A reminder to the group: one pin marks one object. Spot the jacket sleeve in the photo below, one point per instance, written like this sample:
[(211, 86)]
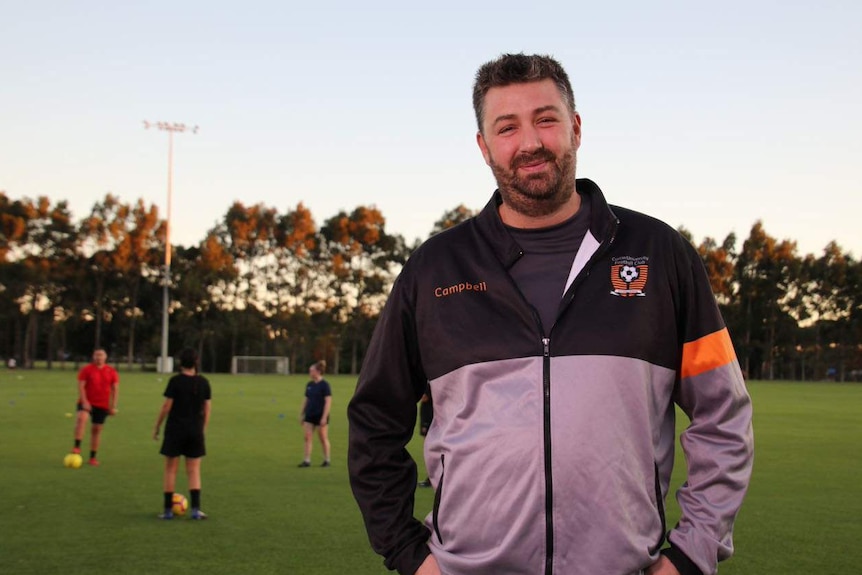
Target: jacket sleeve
[(718, 443), (382, 417)]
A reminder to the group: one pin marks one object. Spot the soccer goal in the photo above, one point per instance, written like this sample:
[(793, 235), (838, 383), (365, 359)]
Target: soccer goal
[(259, 364)]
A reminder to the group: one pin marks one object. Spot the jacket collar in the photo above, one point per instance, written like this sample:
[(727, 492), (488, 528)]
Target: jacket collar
[(602, 222)]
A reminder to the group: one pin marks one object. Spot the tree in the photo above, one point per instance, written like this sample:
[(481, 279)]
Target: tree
[(766, 273), (37, 244), (364, 261), (832, 297), (201, 274), (121, 244), (14, 217), (452, 218)]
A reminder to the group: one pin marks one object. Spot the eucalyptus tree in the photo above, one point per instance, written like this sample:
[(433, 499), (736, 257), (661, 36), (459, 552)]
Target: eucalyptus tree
[(201, 273), (37, 249), (364, 261), (767, 273), (833, 298), (122, 245)]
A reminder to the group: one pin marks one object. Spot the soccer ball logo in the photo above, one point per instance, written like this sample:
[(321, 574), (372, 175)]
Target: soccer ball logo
[(629, 279), (629, 273)]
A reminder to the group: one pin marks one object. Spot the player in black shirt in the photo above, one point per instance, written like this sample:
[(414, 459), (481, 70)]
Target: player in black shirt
[(315, 412), (187, 407)]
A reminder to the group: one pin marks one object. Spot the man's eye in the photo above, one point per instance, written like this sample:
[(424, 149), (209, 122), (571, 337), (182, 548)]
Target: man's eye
[(505, 129)]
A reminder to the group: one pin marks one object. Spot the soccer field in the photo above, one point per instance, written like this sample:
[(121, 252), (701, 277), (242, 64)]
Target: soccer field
[(803, 513)]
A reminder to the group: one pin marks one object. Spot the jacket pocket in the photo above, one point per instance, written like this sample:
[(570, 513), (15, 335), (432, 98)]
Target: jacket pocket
[(659, 503), (435, 516)]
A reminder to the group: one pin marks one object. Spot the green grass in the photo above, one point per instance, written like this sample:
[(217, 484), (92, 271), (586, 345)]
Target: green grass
[(803, 513)]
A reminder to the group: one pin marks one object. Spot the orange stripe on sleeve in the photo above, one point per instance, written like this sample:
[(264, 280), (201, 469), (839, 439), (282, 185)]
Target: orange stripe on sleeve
[(706, 353)]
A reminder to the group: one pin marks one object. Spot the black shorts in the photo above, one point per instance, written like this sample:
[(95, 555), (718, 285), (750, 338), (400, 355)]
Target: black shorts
[(98, 415), (183, 441), (314, 419)]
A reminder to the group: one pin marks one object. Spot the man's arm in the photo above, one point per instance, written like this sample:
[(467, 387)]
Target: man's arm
[(382, 417), (430, 567), (115, 397), (718, 442)]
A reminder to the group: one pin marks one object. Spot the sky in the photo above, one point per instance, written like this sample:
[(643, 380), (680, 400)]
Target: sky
[(710, 116)]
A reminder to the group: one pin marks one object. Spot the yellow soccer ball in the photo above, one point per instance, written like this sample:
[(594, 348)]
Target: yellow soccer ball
[(181, 504), (73, 461)]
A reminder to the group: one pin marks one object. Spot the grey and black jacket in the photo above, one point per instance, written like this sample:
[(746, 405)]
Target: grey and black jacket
[(552, 453)]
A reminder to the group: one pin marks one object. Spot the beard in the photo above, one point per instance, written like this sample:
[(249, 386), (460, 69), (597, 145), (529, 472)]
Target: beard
[(537, 195)]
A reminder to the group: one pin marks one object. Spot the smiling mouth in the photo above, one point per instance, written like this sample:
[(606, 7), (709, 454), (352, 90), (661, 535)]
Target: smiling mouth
[(533, 166), (533, 162)]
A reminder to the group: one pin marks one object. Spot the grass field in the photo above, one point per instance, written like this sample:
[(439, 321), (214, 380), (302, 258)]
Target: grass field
[(803, 513)]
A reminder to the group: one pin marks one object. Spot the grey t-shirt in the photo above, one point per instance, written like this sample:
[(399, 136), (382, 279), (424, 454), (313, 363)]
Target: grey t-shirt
[(542, 271)]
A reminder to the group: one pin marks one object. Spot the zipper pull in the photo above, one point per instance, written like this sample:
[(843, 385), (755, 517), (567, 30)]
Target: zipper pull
[(546, 343)]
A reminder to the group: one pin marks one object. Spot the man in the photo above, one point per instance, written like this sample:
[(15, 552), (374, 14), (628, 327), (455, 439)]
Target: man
[(557, 333), (97, 399)]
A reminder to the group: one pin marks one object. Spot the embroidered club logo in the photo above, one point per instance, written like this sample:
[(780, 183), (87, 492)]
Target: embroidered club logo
[(629, 276)]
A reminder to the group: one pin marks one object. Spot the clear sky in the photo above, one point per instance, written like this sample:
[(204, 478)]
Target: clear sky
[(707, 115)]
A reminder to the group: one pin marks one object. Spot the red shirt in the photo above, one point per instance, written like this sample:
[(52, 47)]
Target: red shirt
[(98, 383)]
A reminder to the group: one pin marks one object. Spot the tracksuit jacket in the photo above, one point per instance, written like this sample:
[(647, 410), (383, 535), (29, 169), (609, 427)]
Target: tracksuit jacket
[(551, 448)]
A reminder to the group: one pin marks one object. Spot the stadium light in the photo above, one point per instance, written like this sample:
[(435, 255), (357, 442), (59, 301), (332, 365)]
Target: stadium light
[(166, 366)]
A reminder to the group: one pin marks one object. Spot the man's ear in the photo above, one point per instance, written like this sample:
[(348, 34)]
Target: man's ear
[(480, 139), (576, 128)]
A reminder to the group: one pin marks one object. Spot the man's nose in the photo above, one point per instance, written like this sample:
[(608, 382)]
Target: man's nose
[(530, 140)]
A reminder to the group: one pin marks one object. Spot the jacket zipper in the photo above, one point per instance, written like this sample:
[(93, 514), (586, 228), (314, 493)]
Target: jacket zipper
[(549, 482), (546, 385), (437, 496)]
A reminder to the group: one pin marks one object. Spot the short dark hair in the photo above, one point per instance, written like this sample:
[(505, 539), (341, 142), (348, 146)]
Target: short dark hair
[(519, 69), (188, 358)]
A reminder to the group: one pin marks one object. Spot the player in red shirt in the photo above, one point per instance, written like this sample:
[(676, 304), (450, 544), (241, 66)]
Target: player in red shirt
[(97, 398)]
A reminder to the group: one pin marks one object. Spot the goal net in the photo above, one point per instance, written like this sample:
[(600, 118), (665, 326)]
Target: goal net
[(259, 364)]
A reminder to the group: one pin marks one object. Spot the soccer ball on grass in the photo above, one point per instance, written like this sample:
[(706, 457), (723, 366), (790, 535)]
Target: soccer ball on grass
[(180, 504), (73, 461)]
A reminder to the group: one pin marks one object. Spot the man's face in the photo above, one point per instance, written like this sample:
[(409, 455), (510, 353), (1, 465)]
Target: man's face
[(530, 139), (100, 357)]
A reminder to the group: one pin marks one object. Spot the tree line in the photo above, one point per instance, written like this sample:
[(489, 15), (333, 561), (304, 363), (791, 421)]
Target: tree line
[(270, 282)]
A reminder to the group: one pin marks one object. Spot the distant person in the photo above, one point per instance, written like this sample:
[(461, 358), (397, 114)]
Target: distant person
[(426, 416), (98, 391), (559, 334), (187, 407), (315, 413), (11, 363)]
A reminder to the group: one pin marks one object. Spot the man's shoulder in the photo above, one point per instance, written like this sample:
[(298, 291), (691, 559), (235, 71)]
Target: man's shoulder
[(643, 223), (458, 239)]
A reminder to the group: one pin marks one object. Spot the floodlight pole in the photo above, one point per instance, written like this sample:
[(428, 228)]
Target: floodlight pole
[(170, 128)]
